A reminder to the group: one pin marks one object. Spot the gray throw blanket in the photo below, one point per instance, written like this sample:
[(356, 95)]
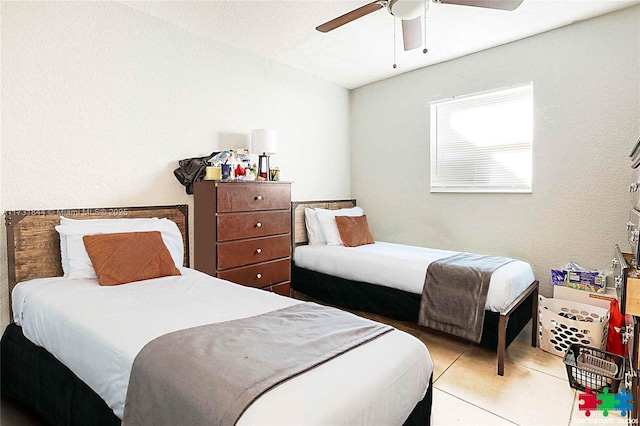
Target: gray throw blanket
[(209, 375), (455, 292)]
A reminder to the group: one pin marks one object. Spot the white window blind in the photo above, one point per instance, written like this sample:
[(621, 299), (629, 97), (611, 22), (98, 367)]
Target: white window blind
[(482, 142)]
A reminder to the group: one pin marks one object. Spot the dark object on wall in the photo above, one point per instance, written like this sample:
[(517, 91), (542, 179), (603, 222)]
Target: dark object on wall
[(191, 170)]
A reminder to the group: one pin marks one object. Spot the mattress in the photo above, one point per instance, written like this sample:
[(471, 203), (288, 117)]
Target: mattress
[(404, 268), (97, 331)]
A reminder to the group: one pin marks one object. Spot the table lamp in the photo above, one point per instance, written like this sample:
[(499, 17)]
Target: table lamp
[(263, 143)]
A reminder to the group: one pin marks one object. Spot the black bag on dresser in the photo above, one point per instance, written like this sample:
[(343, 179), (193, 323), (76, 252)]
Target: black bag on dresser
[(191, 170)]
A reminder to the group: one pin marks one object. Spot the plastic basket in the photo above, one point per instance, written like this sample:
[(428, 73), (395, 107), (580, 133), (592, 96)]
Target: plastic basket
[(563, 323), (593, 368)]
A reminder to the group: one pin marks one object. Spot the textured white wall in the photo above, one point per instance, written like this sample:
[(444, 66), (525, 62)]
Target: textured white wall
[(99, 101), (587, 117)]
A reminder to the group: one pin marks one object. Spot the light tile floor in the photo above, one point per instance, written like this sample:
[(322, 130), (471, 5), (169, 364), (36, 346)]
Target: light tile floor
[(467, 391)]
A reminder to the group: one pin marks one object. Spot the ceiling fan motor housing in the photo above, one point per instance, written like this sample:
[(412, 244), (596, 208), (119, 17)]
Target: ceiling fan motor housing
[(406, 9)]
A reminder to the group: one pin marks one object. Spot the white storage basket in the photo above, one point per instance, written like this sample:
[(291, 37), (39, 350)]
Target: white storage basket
[(563, 323)]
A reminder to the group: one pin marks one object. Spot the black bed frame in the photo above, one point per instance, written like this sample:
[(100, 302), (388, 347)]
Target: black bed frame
[(33, 376), (499, 329)]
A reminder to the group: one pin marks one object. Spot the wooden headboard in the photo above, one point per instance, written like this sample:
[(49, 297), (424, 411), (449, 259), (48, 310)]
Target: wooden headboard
[(299, 232), (33, 244)]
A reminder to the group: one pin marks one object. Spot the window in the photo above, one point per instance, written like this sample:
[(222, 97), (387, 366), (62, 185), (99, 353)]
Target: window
[(482, 142)]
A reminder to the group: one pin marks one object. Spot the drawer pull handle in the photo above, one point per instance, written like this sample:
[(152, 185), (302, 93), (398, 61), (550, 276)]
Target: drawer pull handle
[(259, 250), (259, 197), (259, 225), (258, 276)]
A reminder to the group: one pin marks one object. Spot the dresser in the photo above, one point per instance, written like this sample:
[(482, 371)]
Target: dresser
[(627, 282), (243, 232), (631, 376)]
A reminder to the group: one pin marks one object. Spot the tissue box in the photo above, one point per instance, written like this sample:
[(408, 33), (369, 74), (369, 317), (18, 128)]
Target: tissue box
[(590, 281), (594, 282), (559, 277)]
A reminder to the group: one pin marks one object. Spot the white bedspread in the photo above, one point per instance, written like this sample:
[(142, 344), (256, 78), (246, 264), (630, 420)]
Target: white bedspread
[(97, 332), (404, 267)]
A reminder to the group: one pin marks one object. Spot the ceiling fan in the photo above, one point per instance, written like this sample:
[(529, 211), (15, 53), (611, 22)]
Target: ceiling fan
[(410, 11)]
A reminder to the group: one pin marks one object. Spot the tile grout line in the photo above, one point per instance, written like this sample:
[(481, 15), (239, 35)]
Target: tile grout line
[(573, 408), (450, 365), (515, 363), (481, 408), (539, 371), (573, 403), (466, 350)]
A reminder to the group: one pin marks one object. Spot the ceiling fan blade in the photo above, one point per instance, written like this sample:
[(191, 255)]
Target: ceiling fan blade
[(491, 4), (412, 33), (350, 16)]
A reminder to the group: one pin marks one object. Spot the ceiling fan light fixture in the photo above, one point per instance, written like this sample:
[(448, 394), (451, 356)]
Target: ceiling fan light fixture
[(406, 9), (412, 33)]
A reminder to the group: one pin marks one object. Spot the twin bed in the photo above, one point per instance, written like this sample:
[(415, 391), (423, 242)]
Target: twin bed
[(388, 279), (74, 346)]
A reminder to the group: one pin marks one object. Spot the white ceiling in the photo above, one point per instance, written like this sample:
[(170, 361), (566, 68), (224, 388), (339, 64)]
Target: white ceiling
[(362, 51)]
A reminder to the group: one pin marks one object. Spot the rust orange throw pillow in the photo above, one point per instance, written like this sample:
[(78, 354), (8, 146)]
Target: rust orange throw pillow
[(129, 256), (354, 230)]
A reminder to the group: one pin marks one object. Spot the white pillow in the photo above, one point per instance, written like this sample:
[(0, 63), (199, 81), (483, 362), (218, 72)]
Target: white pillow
[(327, 220), (77, 260), (314, 233), (114, 224)]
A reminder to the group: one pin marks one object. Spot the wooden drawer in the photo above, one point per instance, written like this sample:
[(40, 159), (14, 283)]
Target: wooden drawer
[(260, 275), (632, 297), (634, 340), (237, 226), (283, 289), (246, 252), (253, 196)]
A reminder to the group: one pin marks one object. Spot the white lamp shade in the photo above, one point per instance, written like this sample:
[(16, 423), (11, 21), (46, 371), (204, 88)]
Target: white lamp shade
[(263, 141)]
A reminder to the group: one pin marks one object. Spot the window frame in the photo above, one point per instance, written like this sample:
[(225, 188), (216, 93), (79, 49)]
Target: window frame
[(475, 186)]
